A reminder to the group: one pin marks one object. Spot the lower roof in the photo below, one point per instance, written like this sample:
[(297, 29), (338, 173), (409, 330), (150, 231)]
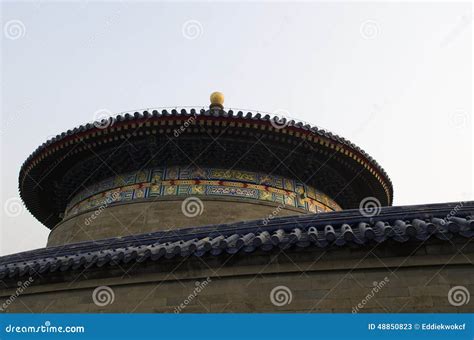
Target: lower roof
[(355, 227)]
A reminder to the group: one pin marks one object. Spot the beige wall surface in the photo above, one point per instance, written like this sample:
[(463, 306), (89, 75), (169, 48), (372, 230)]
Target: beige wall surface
[(144, 217)]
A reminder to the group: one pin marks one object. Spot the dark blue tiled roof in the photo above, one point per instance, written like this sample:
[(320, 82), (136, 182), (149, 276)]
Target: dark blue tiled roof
[(255, 116), (84, 145), (348, 227)]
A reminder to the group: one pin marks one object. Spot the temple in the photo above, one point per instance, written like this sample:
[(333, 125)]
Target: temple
[(260, 213)]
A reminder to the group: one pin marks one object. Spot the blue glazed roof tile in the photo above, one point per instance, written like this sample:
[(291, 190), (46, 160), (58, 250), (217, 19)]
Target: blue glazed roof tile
[(336, 229)]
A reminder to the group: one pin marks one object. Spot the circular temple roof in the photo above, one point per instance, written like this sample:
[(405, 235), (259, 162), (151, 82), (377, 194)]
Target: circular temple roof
[(66, 164)]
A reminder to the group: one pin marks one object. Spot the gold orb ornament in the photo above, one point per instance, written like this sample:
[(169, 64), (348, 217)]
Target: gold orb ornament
[(217, 100)]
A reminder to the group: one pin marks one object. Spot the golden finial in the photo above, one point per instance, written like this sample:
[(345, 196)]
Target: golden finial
[(217, 100)]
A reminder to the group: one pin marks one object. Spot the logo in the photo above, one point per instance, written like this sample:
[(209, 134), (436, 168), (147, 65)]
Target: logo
[(13, 207), (14, 29), (192, 207), (281, 119), (103, 296), (458, 296), (369, 207), (369, 29), (280, 296), (102, 119), (192, 29)]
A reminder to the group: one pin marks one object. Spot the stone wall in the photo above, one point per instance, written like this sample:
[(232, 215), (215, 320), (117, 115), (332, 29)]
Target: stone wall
[(408, 278)]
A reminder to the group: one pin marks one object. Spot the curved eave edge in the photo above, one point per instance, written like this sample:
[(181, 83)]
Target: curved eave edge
[(137, 116), (326, 230), (141, 118)]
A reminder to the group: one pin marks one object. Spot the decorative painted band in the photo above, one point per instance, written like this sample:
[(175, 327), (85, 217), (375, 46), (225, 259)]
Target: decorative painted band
[(192, 181)]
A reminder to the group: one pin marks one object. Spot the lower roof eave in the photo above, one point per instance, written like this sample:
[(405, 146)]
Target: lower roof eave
[(355, 228)]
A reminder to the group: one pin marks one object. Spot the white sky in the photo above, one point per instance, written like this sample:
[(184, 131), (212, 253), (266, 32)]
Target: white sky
[(394, 78)]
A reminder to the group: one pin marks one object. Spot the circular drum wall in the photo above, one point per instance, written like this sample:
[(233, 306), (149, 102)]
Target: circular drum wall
[(143, 217)]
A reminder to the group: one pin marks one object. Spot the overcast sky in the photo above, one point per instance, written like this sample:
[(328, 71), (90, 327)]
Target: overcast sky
[(396, 79)]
